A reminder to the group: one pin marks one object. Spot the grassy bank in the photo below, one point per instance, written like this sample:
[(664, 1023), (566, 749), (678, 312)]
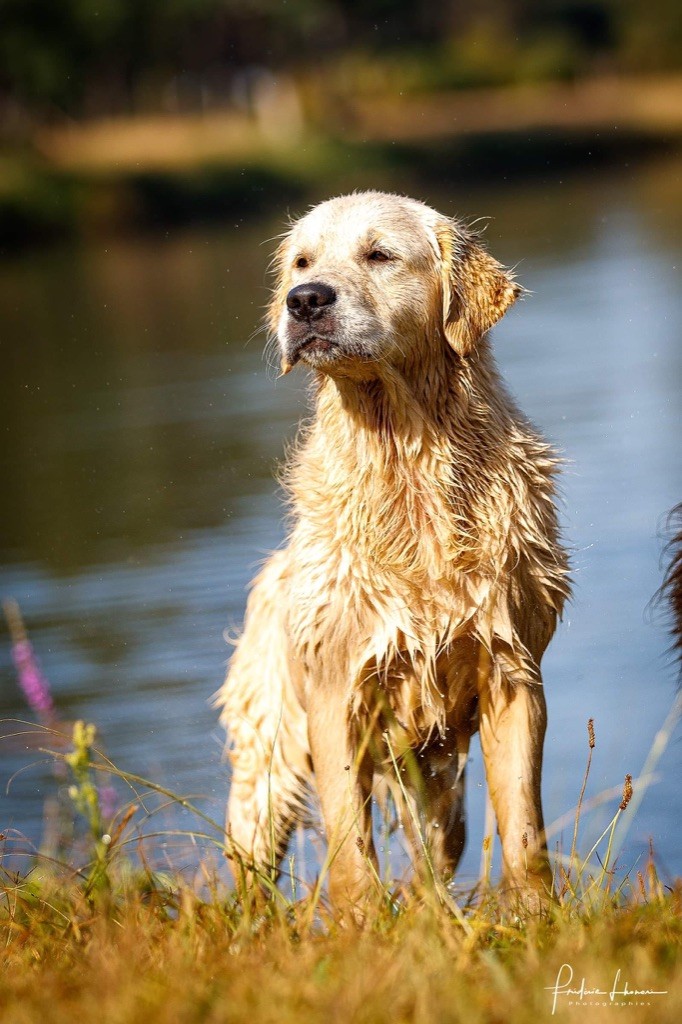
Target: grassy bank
[(102, 924), (154, 953), (93, 930), (162, 171)]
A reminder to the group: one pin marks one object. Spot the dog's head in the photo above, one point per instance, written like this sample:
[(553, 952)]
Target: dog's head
[(366, 279)]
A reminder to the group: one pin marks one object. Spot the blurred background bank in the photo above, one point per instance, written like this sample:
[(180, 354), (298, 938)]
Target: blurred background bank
[(121, 113)]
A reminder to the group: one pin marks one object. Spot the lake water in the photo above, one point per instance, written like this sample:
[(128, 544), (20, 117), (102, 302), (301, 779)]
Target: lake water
[(140, 430)]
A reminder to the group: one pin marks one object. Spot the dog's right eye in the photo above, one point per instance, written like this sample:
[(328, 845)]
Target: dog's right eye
[(379, 256), (301, 262)]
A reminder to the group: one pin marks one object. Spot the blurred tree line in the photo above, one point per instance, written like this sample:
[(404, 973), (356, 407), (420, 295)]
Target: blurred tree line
[(94, 57)]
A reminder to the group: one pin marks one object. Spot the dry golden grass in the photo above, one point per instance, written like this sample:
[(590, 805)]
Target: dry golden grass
[(113, 941), (170, 956)]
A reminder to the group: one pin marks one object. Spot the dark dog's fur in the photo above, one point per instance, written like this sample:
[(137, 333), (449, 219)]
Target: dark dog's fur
[(672, 584)]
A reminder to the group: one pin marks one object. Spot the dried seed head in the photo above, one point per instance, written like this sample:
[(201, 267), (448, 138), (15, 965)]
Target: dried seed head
[(590, 732), (627, 792), (486, 843), (524, 840), (642, 887), (360, 843)]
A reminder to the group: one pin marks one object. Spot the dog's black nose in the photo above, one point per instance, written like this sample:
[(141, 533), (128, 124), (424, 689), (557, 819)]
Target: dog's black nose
[(309, 301)]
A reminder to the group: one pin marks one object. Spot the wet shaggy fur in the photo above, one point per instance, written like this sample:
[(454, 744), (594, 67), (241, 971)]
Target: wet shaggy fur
[(423, 574)]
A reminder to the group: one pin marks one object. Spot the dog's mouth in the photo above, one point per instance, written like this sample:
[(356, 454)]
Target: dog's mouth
[(314, 349), (315, 345)]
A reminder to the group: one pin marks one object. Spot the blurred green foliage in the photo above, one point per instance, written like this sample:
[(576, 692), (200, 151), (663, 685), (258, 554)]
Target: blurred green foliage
[(110, 56)]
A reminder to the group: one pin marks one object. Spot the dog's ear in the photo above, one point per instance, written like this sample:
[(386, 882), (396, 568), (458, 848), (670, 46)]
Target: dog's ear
[(477, 290)]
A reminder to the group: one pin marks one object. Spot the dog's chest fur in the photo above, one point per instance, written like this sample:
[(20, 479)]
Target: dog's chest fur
[(394, 561)]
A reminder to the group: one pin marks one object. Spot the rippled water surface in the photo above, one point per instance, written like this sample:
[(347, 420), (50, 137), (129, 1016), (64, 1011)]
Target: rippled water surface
[(141, 426)]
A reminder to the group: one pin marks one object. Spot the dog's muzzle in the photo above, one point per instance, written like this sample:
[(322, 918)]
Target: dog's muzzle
[(308, 306)]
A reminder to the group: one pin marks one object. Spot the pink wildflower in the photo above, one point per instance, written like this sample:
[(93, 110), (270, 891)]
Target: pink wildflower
[(33, 683)]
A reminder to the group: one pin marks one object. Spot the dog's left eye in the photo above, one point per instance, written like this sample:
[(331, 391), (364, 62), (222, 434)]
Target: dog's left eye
[(379, 256)]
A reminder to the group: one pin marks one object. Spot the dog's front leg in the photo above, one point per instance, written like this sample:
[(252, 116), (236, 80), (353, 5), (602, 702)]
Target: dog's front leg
[(513, 720), (343, 770)]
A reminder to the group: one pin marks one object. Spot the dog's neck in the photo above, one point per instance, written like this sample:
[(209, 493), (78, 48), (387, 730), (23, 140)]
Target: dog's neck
[(383, 466), (382, 410), (429, 402)]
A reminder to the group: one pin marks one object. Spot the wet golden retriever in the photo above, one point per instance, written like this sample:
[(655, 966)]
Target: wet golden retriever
[(423, 575)]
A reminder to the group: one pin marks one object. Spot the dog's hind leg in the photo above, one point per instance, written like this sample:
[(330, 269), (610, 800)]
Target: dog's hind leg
[(435, 820), (268, 735), (443, 811), (513, 719)]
